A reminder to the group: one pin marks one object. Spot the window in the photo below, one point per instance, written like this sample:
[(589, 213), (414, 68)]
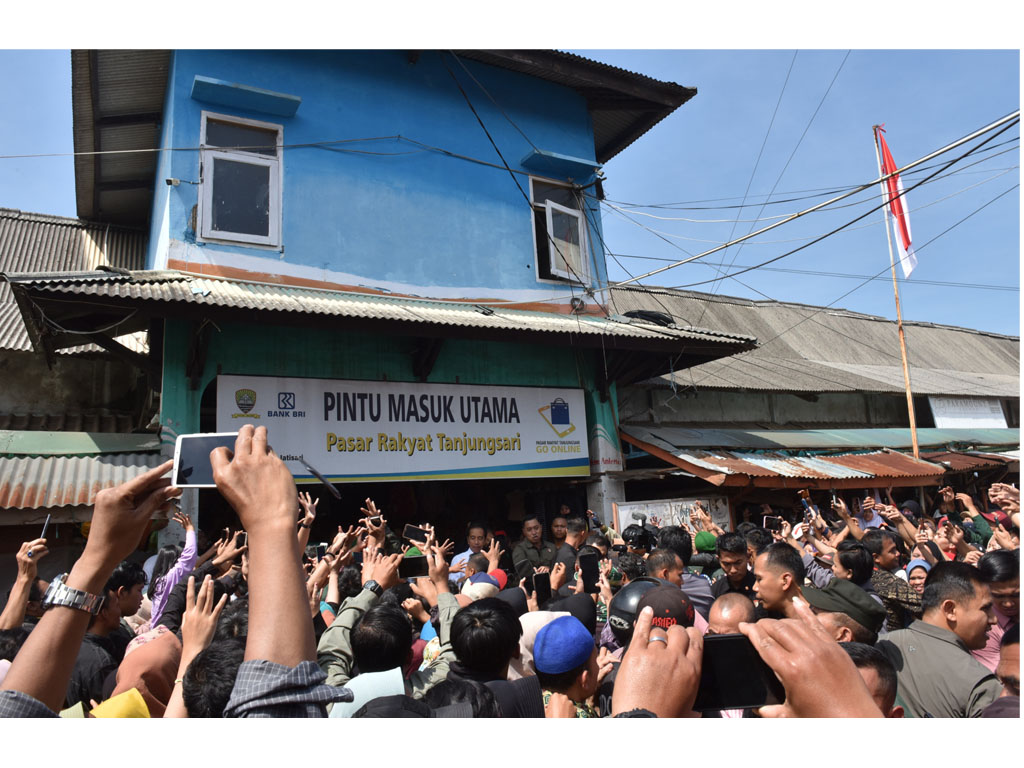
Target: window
[(560, 232), (240, 181)]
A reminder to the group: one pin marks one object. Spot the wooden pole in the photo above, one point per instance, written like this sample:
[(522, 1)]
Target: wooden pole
[(896, 291)]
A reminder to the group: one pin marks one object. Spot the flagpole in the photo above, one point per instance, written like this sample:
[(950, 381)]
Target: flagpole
[(896, 291)]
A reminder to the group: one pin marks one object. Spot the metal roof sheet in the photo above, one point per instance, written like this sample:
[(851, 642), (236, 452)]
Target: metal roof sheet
[(671, 438), (808, 348), (179, 287), (40, 243), (884, 464), (88, 421), (58, 481)]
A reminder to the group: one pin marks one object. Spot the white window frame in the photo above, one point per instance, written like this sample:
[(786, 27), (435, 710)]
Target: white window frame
[(550, 206), (208, 154)]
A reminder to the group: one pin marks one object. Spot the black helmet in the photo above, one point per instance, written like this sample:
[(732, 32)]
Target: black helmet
[(638, 537), (622, 611)]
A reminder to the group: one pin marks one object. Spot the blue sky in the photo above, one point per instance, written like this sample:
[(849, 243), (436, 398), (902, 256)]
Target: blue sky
[(707, 150)]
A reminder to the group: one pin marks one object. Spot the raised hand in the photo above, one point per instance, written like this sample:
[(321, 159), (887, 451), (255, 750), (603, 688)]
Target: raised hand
[(559, 575), (255, 482), (28, 557), (819, 677), (121, 514), (415, 608), (308, 508), (661, 670), (183, 520), (199, 622), (494, 553)]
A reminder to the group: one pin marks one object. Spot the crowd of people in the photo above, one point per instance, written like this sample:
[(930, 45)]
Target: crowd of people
[(857, 607)]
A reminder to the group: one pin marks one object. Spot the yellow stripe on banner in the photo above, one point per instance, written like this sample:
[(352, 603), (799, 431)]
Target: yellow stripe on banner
[(565, 472)]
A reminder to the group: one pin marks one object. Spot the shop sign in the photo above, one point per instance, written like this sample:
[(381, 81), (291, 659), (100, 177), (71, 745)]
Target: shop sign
[(370, 431)]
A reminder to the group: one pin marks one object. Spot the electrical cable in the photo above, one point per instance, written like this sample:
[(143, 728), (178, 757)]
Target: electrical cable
[(842, 227), (763, 344), (1003, 172)]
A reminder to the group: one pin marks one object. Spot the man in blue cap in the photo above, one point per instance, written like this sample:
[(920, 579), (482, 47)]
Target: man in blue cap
[(568, 667)]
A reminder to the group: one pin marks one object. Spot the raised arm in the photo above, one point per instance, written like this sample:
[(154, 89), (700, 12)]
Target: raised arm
[(259, 487), (28, 560), (42, 669)]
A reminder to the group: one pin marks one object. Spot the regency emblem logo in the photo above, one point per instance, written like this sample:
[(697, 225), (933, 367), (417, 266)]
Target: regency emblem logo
[(245, 399)]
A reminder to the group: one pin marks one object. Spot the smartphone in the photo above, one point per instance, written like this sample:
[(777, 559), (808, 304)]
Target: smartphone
[(45, 526), (620, 548), (542, 587), (311, 551), (413, 567), (412, 533), (192, 467), (241, 540), (734, 676), (772, 523), (375, 520), (321, 550), (590, 571), (805, 496)]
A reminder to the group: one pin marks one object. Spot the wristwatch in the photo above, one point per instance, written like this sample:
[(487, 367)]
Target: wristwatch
[(374, 587), (60, 594)]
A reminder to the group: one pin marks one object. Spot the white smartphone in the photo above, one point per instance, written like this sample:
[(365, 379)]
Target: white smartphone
[(192, 468)]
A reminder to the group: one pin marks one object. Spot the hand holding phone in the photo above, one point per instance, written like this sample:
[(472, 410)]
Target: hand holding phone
[(590, 571), (542, 587), (734, 676), (192, 467)]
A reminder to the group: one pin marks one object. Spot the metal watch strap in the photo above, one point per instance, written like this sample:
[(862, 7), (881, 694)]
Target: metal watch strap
[(59, 594)]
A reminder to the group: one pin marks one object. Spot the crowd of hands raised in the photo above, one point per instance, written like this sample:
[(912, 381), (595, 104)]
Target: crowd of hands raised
[(659, 673)]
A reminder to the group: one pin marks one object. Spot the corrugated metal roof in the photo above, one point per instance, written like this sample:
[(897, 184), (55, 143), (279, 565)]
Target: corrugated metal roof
[(884, 464), (957, 461), (34, 242), (57, 481), (90, 421), (178, 287), (671, 438), (834, 350)]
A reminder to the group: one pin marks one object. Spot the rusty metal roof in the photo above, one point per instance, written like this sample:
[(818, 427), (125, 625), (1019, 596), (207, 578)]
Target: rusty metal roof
[(975, 461), (834, 350), (58, 481), (35, 242), (775, 469)]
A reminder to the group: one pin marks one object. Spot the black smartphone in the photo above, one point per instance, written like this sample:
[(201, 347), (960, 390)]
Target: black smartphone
[(412, 533), (321, 550), (192, 468), (542, 586), (590, 572), (734, 676), (241, 540), (413, 567), (772, 523), (375, 520), (620, 548)]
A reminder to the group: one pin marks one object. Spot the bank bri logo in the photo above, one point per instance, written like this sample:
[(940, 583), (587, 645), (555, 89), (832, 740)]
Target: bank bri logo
[(286, 401)]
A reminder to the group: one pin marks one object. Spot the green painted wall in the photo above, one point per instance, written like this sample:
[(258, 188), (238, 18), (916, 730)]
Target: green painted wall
[(308, 352)]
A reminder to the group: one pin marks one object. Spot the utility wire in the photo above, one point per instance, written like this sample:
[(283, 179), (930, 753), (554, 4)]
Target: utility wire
[(861, 285), (853, 221)]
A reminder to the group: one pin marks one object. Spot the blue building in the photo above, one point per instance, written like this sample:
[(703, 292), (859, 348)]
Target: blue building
[(416, 229)]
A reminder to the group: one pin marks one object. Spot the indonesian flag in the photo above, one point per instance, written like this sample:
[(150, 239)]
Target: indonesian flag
[(898, 208)]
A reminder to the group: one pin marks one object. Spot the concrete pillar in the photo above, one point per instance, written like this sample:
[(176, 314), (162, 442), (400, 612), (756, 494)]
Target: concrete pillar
[(602, 494)]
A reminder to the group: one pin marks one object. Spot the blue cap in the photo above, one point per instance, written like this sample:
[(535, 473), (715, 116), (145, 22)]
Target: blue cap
[(484, 578), (562, 645)]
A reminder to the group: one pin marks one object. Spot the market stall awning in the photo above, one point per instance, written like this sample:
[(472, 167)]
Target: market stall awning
[(773, 469), (825, 439)]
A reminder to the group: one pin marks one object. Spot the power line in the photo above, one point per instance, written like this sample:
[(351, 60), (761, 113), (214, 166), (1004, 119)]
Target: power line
[(841, 227), (861, 285)]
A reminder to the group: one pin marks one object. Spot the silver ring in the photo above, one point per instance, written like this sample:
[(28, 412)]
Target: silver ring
[(659, 638)]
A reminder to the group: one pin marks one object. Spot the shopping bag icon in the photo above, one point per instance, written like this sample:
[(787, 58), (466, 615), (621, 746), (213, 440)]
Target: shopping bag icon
[(559, 411)]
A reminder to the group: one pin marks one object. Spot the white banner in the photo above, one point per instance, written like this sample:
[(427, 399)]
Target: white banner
[(963, 412), (662, 512), (372, 431)]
